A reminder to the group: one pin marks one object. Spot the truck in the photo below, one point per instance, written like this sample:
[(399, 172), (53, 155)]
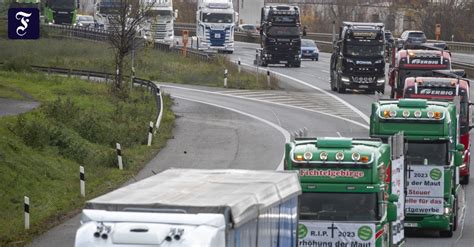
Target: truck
[(353, 190), (196, 207), (280, 36), (158, 25), (447, 88), (215, 25), (358, 58), (434, 155), (105, 14), (413, 63), (60, 11)]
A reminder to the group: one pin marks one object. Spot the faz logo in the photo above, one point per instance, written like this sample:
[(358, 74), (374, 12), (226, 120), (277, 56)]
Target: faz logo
[(23, 23), (419, 61), (428, 91)]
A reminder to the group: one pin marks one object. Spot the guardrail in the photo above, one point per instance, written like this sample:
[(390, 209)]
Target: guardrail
[(69, 31), (151, 86)]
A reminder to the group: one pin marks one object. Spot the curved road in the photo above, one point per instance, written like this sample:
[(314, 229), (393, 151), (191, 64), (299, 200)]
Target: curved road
[(223, 128)]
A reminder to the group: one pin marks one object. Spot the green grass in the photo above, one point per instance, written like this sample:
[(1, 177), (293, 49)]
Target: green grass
[(150, 63), (77, 124)]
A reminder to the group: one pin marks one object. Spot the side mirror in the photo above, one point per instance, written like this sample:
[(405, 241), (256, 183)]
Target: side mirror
[(393, 198), (458, 155), (391, 212), (460, 147), (175, 14)]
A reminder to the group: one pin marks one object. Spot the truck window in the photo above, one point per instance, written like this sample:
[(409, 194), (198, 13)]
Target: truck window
[(364, 50), (464, 116), (217, 18), (339, 206), (427, 153), (283, 31)]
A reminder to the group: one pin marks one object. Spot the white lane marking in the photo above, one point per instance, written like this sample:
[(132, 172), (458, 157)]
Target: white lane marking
[(270, 102), (284, 132), (339, 134), (325, 71), (361, 114), (463, 217)]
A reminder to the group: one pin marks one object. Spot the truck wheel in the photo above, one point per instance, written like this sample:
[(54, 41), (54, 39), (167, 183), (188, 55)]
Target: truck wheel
[(447, 233), (455, 220), (297, 65), (464, 180), (331, 82), (340, 88), (392, 93)]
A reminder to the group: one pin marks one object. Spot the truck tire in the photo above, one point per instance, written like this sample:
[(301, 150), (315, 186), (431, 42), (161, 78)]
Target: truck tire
[(340, 88), (297, 64), (455, 220), (392, 93), (331, 82), (464, 180), (447, 234)]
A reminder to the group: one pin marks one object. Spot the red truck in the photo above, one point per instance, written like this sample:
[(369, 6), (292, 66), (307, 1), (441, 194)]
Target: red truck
[(412, 63), (443, 88)]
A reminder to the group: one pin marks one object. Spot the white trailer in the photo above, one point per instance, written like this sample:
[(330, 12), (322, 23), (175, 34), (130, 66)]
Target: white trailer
[(159, 22), (215, 25), (196, 207)]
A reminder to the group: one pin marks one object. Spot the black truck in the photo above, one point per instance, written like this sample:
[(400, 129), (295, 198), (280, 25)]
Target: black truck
[(357, 60), (280, 36)]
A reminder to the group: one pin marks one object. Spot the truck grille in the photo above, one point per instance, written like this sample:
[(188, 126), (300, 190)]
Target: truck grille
[(159, 31)]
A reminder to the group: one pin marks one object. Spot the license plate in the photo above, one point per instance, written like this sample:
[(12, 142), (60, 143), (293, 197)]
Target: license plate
[(217, 35), (282, 61), (363, 86), (408, 224)]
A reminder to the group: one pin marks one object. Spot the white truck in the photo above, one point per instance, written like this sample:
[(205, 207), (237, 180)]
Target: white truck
[(196, 207), (215, 25), (159, 22)]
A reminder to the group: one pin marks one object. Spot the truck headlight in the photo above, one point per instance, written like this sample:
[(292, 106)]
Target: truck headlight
[(345, 79), (381, 80), (379, 61), (447, 210)]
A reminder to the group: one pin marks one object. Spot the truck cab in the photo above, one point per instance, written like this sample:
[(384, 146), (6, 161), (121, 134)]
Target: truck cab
[(415, 63), (349, 191), (446, 89), (60, 11), (280, 36), (215, 25), (159, 21), (358, 58), (434, 156)]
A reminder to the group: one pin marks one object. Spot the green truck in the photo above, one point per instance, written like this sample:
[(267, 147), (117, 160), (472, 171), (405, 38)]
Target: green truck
[(60, 11), (434, 155), (350, 191)]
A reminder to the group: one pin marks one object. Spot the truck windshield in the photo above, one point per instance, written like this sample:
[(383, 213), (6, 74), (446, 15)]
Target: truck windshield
[(283, 31), (217, 18), (339, 206), (427, 153), (365, 50), (62, 4), (160, 13)]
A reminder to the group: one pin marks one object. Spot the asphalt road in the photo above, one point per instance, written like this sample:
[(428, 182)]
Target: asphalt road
[(14, 107), (316, 74), (220, 128)]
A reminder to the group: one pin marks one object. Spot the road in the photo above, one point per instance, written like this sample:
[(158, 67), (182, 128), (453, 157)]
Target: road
[(224, 128), (14, 107)]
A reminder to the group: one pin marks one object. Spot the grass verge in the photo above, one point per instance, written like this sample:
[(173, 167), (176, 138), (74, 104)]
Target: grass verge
[(152, 64), (78, 123)]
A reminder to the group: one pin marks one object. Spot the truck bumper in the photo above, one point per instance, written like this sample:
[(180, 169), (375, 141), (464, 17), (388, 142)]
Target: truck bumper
[(378, 84), (436, 222), (271, 58)]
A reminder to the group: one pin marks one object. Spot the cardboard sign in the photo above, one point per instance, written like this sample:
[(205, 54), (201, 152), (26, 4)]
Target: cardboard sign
[(398, 183)]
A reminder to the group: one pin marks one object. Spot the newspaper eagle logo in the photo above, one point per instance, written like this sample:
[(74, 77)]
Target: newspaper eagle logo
[(23, 23)]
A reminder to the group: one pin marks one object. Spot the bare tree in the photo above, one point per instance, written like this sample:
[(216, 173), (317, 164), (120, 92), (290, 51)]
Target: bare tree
[(128, 17)]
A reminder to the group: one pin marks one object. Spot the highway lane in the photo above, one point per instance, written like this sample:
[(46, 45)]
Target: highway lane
[(317, 74), (215, 128)]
